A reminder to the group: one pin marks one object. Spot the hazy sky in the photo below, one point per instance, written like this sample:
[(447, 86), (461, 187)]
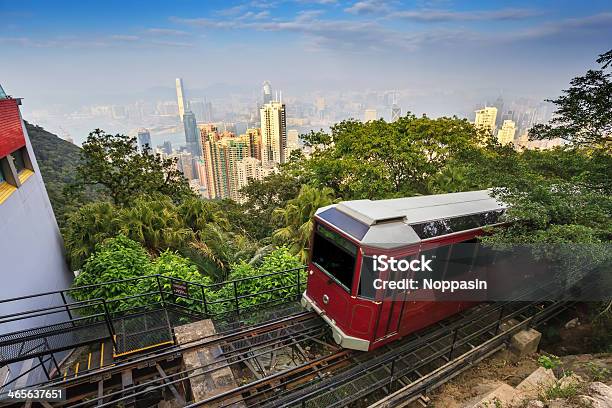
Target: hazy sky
[(78, 51)]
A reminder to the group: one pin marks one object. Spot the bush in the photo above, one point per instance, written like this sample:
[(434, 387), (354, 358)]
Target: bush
[(115, 259), (285, 283), (171, 265)]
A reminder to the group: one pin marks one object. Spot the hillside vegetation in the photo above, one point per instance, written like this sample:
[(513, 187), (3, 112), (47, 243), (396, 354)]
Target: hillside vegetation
[(58, 160)]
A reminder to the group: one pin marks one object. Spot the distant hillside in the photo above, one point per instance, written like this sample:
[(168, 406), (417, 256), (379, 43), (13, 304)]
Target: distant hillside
[(57, 160)]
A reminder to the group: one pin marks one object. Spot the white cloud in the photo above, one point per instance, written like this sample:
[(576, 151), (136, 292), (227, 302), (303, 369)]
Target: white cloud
[(432, 15), (166, 31)]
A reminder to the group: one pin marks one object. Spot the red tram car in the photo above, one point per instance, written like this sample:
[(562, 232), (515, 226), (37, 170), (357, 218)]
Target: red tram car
[(346, 234)]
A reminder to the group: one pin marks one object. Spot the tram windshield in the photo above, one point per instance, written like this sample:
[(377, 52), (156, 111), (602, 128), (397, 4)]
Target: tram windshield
[(334, 255)]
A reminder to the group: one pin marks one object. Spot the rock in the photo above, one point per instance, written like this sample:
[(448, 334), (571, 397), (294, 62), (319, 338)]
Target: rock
[(559, 403), (571, 380), (525, 342), (599, 396), (537, 381), (504, 395), (572, 323), (535, 404)]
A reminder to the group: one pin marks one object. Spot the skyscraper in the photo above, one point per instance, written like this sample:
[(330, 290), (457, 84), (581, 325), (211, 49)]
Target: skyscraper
[(396, 112), (267, 92), (221, 158), (192, 134), (253, 139), (180, 96), (144, 140), (167, 147), (485, 118), (507, 132), (499, 104), (273, 132), (370, 115)]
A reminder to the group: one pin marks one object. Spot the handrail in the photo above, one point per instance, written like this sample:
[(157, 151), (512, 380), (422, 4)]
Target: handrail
[(213, 285)]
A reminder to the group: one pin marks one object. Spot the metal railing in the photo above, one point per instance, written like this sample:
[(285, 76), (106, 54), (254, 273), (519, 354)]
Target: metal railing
[(79, 320)]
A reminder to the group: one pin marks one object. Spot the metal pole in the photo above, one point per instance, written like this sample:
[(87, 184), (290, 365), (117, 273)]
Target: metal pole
[(499, 320), (450, 354), (299, 272), (66, 305), (236, 299), (42, 363), (204, 301), (109, 324), (161, 293)]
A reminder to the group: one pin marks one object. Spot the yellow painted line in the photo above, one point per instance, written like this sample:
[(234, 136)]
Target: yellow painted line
[(143, 348), (24, 175), (6, 190), (76, 369), (101, 354), (89, 361)]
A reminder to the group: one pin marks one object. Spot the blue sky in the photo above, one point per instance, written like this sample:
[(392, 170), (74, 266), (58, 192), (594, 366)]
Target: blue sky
[(70, 51)]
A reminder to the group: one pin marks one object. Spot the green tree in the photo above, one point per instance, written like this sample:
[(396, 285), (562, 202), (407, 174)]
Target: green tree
[(87, 227), (155, 223), (584, 111), (381, 160), (296, 218), (113, 162), (262, 197)]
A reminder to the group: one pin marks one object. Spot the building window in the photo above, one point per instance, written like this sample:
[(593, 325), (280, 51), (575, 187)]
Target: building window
[(19, 160)]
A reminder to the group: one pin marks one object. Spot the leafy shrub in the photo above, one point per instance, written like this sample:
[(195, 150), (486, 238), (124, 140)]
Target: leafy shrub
[(115, 259), (551, 361), (171, 265), (276, 287)]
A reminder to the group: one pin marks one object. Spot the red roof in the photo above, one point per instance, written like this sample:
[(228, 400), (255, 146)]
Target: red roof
[(11, 132)]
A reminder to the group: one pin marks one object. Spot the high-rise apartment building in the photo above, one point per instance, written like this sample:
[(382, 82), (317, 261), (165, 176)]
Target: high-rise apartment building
[(180, 96), (267, 92), (144, 140), (370, 115), (192, 134), (221, 159), (507, 132), (253, 140), (273, 132), (185, 164), (249, 169), (485, 119)]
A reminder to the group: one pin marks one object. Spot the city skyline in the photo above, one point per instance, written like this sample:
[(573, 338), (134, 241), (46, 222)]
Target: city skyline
[(442, 56)]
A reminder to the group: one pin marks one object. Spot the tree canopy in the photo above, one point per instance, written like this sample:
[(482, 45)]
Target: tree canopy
[(114, 162)]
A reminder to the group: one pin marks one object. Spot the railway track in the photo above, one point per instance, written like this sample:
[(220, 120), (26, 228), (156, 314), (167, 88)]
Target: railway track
[(333, 377), (244, 345)]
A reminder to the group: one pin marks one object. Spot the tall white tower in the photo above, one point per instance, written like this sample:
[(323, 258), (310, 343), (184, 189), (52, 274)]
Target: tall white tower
[(273, 132), (180, 96)]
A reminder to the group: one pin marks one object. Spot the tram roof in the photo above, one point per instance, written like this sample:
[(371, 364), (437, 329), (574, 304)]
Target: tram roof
[(392, 221), (420, 208)]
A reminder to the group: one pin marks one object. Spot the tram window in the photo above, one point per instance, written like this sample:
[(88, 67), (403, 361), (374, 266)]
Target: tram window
[(366, 281), (334, 255), (485, 256), (439, 259), (446, 226), (460, 259)]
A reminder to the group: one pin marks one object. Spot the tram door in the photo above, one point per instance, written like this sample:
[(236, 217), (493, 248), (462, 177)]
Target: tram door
[(391, 308)]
